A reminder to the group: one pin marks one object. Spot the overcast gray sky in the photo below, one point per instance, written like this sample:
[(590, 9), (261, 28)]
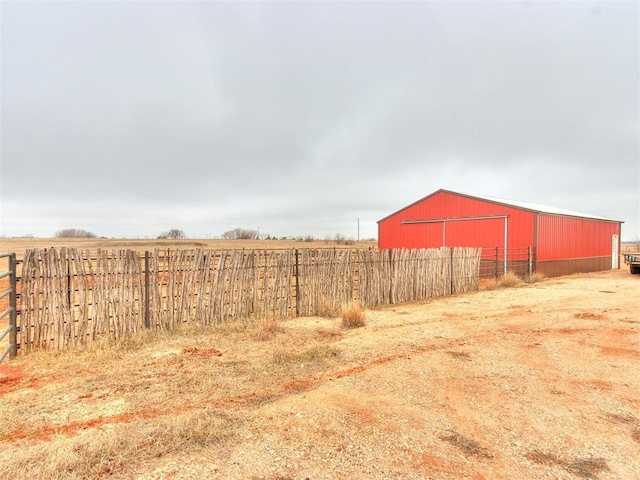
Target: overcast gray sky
[(129, 118)]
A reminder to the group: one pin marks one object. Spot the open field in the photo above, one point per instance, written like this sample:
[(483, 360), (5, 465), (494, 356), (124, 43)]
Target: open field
[(536, 381), (19, 245)]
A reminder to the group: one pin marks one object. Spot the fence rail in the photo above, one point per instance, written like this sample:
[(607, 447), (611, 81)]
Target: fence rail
[(11, 310), (495, 262), (71, 296)]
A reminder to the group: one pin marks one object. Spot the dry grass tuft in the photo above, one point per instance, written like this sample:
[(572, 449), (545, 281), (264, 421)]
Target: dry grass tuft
[(329, 334), (317, 352), (326, 308), (314, 353), (535, 277), (353, 316), (509, 280), (281, 354), (267, 329)]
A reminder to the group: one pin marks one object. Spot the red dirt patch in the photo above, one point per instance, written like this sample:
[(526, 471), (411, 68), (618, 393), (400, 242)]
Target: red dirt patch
[(11, 378), (620, 352), (69, 429), (211, 352), (600, 384)]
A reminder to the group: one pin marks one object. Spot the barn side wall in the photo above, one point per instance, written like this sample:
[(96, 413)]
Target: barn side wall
[(569, 245), (557, 268)]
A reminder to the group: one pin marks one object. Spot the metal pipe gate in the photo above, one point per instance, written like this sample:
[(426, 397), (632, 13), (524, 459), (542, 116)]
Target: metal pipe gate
[(11, 311)]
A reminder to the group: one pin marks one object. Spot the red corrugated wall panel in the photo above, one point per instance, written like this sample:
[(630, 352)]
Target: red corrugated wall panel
[(568, 237), (392, 233)]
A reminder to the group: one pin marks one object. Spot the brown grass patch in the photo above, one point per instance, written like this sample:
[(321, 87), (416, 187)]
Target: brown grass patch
[(467, 445), (267, 329), (95, 452), (589, 316), (542, 458), (326, 308), (509, 280), (626, 419), (353, 316), (328, 334), (535, 277), (588, 467), (317, 352), (583, 467), (281, 354), (459, 355)]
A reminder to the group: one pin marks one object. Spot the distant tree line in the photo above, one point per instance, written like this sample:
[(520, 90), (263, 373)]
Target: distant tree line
[(235, 234), (74, 233), (241, 234), (173, 234)]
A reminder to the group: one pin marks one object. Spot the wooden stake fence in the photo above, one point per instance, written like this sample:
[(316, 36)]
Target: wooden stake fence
[(71, 297)]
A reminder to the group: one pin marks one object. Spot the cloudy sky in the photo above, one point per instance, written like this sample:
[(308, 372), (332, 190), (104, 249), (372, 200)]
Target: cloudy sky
[(129, 118)]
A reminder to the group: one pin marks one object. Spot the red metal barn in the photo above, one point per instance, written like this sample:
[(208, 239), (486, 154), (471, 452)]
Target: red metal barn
[(550, 240)]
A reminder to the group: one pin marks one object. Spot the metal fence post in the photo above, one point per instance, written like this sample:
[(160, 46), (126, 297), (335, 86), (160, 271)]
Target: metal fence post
[(529, 260), (13, 316), (497, 260)]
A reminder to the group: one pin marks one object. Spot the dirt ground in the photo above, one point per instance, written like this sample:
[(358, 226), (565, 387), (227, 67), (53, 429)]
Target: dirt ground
[(538, 381)]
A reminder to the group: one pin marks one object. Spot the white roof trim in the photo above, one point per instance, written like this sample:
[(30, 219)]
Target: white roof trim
[(541, 208)]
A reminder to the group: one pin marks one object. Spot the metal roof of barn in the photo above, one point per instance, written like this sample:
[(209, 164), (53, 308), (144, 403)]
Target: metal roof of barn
[(534, 207)]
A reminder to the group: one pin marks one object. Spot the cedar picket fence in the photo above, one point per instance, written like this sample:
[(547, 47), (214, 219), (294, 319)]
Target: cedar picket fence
[(71, 297)]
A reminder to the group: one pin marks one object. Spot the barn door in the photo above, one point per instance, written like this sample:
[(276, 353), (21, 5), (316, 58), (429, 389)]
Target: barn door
[(615, 254)]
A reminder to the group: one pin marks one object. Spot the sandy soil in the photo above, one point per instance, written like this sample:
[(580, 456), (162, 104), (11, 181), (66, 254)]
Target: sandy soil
[(523, 383), (534, 382)]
